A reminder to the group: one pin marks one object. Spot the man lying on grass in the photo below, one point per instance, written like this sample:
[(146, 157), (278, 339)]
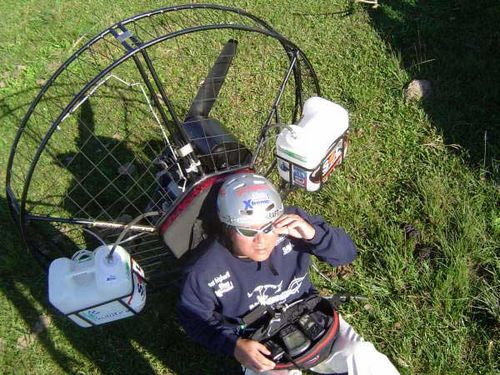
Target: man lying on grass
[(261, 256)]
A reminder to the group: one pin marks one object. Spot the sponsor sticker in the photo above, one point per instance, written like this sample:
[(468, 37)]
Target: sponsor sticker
[(283, 165), (299, 177)]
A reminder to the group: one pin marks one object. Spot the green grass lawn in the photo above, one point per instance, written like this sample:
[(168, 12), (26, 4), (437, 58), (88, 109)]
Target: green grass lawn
[(418, 191)]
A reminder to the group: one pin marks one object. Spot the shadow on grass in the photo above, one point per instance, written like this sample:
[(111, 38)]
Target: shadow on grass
[(127, 346), (456, 46), (140, 345)]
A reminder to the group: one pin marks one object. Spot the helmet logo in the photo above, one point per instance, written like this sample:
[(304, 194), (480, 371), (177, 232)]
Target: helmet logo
[(248, 204)]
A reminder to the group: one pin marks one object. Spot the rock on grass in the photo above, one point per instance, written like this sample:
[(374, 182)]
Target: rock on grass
[(418, 89)]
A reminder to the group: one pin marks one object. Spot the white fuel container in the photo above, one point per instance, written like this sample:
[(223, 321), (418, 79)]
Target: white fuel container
[(308, 152), (92, 289)]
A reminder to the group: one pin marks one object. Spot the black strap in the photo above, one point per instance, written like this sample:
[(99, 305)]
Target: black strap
[(254, 315)]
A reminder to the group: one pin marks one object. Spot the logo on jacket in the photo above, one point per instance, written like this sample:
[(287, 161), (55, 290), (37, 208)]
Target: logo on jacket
[(221, 284), (269, 294), (287, 248)]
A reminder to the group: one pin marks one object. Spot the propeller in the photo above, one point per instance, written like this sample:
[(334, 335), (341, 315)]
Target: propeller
[(217, 148), (209, 90)]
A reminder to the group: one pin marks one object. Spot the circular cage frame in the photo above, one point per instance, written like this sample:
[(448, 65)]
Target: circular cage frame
[(137, 49)]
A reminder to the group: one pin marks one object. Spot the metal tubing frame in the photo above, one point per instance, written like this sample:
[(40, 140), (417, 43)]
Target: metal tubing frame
[(18, 211), (100, 36)]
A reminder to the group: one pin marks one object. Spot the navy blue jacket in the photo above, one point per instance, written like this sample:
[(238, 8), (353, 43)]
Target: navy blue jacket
[(220, 288)]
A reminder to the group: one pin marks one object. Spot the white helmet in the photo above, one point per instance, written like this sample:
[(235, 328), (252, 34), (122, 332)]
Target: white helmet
[(248, 199)]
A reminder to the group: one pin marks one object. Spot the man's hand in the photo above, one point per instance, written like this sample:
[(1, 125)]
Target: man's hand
[(252, 354), (294, 226)]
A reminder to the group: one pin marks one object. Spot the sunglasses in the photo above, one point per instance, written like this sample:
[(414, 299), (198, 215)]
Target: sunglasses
[(249, 232)]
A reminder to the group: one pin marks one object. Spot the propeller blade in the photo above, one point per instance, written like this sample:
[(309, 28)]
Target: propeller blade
[(209, 90)]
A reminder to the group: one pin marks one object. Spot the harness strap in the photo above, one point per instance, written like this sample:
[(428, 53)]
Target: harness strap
[(278, 317)]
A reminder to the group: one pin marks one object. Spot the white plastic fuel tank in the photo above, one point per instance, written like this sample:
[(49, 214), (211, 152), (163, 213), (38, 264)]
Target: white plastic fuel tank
[(92, 288), (309, 151)]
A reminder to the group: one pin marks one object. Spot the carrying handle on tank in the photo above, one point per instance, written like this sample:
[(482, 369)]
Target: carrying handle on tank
[(292, 131), (109, 257), (284, 126), (80, 254), (281, 127), (79, 257)]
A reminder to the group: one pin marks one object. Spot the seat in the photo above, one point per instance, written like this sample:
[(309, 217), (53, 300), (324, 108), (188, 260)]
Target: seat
[(194, 217)]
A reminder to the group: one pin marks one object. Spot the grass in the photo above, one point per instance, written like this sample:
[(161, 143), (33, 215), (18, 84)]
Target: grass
[(433, 291)]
